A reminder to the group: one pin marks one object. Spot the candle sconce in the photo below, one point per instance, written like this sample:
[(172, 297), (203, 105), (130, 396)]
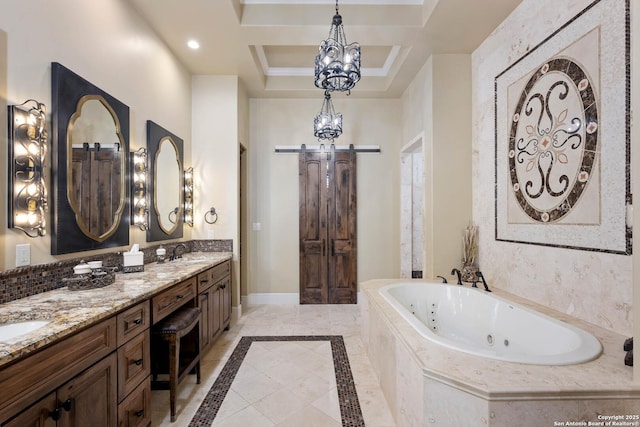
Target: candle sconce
[(27, 152), (139, 206), (188, 196)]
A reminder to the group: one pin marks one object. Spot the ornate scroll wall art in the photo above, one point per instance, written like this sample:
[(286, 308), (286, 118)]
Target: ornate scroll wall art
[(563, 136)]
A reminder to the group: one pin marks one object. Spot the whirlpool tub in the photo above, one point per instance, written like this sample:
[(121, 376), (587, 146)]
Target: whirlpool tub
[(444, 355), (480, 323)]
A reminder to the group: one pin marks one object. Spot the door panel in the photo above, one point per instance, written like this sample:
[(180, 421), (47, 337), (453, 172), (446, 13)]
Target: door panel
[(313, 222), (342, 229), (328, 256)]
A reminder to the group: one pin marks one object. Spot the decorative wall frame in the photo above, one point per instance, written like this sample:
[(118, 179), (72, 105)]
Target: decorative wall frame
[(90, 203), (562, 136), (165, 185)]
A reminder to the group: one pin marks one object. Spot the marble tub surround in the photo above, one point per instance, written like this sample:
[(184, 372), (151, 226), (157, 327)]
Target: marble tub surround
[(30, 280), (428, 383), (69, 311)]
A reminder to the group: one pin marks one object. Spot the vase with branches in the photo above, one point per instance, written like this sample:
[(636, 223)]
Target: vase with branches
[(469, 253)]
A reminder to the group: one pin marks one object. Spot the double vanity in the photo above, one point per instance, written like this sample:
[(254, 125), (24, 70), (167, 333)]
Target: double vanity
[(63, 351)]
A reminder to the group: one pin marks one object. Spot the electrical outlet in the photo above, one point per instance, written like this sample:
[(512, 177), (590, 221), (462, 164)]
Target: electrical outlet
[(23, 255), (256, 226), (210, 234)]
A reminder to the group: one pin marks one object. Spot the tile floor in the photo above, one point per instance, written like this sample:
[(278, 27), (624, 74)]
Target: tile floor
[(283, 383)]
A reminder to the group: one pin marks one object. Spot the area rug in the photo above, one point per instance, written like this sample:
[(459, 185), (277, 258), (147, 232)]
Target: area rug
[(348, 398)]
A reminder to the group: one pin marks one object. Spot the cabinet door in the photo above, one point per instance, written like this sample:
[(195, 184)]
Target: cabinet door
[(205, 319), (90, 399), (225, 285), (42, 414), (216, 312)]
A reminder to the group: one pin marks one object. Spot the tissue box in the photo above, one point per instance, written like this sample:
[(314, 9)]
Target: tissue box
[(133, 262)]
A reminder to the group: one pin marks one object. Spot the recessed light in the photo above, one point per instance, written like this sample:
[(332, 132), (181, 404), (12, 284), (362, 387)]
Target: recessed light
[(193, 44)]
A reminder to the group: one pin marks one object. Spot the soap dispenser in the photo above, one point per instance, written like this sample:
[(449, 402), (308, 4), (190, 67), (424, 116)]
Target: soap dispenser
[(160, 254)]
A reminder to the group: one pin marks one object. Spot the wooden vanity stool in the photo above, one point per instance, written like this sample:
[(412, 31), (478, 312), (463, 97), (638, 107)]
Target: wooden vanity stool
[(168, 333)]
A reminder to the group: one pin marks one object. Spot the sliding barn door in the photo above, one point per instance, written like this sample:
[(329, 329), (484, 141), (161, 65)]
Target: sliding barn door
[(328, 255)]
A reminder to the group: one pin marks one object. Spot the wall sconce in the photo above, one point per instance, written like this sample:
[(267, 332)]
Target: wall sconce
[(139, 208), (27, 153), (188, 196)]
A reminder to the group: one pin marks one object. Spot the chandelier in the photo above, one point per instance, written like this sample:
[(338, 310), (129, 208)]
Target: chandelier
[(337, 62), (328, 123)]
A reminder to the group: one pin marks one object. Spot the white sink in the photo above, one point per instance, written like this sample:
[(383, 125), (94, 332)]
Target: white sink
[(9, 331), (194, 260)]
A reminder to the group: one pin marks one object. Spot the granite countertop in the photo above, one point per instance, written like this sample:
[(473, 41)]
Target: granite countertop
[(69, 311), (493, 379)]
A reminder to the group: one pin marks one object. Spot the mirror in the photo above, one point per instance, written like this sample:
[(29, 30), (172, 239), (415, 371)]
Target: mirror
[(96, 167), (167, 183), (167, 178), (90, 165)]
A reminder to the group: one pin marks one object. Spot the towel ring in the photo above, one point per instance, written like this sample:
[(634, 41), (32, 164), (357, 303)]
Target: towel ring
[(210, 217)]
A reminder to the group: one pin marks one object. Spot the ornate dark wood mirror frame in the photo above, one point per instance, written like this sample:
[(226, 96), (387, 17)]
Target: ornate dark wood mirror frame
[(156, 134), (68, 92)]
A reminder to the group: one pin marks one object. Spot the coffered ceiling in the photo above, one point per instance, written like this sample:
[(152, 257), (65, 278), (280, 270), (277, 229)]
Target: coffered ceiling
[(271, 44)]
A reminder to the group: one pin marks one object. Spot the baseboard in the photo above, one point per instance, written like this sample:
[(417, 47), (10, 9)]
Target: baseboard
[(236, 313), (271, 298), (274, 298)]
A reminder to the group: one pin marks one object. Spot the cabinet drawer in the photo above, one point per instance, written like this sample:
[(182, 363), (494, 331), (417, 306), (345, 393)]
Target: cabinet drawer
[(132, 321), (168, 301), (204, 281), (134, 363), (220, 271), (135, 410)]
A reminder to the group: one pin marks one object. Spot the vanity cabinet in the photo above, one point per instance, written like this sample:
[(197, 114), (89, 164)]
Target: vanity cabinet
[(77, 376), (214, 300), (86, 400), (101, 375)]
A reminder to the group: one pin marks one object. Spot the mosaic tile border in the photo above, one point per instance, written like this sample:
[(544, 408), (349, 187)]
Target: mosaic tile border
[(349, 404)]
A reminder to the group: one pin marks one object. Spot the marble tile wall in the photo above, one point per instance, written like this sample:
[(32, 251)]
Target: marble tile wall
[(592, 286), (412, 212), (30, 280)]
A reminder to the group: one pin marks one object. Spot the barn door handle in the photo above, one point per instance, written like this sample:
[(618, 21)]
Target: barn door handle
[(333, 247), (324, 247)]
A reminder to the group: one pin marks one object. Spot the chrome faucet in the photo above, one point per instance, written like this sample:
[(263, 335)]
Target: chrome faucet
[(175, 254)]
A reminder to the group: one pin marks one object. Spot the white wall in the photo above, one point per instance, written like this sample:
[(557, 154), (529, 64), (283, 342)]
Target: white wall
[(105, 42), (273, 251), (215, 159), (437, 105), (592, 286)]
